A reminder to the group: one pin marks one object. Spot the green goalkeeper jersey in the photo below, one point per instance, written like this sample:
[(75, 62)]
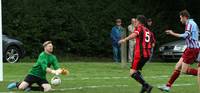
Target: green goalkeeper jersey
[(44, 60)]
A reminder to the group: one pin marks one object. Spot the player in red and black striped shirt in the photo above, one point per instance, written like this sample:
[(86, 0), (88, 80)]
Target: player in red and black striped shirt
[(144, 39)]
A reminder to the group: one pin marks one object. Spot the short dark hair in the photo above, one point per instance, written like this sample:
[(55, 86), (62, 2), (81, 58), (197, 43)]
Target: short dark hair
[(149, 20), (185, 13), (118, 20), (142, 19)]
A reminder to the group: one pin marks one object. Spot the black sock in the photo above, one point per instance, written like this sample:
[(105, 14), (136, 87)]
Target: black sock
[(140, 74), (37, 88), (138, 77), (17, 84)]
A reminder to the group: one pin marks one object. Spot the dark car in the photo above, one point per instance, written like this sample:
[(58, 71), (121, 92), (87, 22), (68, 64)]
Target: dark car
[(13, 49), (172, 50)]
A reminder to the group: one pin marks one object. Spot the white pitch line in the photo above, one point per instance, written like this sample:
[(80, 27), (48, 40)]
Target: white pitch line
[(104, 86), (115, 77), (109, 86), (91, 87), (178, 85), (106, 78)]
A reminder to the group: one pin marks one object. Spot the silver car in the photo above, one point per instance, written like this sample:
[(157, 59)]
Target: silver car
[(172, 50)]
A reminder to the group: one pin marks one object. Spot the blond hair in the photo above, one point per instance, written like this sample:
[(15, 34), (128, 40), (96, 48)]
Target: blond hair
[(46, 43)]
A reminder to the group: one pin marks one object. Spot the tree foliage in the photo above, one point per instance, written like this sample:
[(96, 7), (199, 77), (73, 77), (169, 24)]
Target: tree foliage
[(82, 27)]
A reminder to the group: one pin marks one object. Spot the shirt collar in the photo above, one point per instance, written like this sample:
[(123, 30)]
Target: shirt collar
[(189, 20)]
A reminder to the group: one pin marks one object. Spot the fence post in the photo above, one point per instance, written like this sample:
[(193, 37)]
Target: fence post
[(124, 51)]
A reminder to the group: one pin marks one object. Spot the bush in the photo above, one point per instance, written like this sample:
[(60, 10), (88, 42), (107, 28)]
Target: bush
[(82, 27)]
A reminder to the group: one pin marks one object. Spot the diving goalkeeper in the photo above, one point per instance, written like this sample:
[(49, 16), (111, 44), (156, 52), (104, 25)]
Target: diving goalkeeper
[(39, 70)]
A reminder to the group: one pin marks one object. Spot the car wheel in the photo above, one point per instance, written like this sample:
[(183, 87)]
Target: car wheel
[(12, 54)]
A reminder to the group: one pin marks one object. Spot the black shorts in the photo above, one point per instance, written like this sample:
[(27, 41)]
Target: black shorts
[(30, 79)]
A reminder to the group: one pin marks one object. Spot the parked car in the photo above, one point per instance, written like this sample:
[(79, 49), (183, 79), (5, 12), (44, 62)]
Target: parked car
[(172, 50), (13, 49)]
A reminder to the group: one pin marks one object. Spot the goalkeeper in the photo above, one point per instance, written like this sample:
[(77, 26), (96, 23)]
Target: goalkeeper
[(38, 72)]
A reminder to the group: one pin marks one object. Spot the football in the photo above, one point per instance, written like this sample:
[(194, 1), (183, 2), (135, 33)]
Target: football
[(56, 81)]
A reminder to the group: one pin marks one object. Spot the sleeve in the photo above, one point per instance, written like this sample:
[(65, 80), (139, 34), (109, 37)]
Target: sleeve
[(187, 31), (43, 63), (55, 63), (137, 30), (186, 34), (188, 27)]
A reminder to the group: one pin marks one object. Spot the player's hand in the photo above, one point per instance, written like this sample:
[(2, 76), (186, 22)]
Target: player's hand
[(56, 72), (64, 71), (122, 41), (169, 31)]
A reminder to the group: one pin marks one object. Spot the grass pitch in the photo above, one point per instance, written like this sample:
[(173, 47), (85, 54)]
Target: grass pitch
[(96, 77)]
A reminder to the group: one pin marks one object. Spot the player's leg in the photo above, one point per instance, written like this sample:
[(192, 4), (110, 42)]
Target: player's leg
[(173, 77), (139, 78), (22, 85), (13, 85), (186, 69), (19, 85), (134, 73), (198, 78), (188, 58), (175, 73), (43, 85), (26, 84), (46, 87)]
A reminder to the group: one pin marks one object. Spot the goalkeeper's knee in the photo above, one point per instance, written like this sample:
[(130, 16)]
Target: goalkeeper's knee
[(47, 87)]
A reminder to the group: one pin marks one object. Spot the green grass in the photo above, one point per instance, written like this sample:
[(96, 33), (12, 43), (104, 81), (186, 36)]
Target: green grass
[(90, 77), (71, 58)]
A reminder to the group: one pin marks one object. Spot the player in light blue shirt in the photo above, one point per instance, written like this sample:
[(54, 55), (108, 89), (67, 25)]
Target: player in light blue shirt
[(190, 54)]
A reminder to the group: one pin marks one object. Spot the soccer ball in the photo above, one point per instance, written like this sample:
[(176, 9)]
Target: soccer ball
[(56, 81)]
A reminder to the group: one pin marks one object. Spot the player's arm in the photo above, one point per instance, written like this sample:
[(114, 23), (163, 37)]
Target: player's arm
[(170, 32), (58, 71), (52, 71), (184, 35), (131, 36), (43, 63), (57, 68), (47, 69)]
